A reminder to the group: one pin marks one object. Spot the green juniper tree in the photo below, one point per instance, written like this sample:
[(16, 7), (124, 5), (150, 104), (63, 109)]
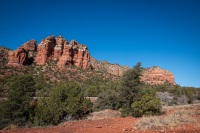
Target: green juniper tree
[(66, 102), (17, 109), (130, 85)]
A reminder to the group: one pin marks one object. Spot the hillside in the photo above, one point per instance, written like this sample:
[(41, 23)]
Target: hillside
[(54, 54)]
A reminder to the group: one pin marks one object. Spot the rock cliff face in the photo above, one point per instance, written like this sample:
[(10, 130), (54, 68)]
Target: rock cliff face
[(23, 55), (75, 54), (45, 50), (113, 69), (156, 75), (153, 75), (51, 48)]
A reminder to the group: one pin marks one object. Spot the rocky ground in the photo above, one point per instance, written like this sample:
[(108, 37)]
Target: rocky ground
[(177, 119)]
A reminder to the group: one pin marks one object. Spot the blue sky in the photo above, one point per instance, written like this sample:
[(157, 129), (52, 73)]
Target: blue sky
[(164, 33)]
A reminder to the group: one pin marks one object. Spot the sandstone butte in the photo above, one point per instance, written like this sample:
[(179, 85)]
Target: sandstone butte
[(73, 53), (156, 75), (51, 48)]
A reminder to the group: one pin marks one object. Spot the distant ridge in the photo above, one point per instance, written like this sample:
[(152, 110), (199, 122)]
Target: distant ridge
[(64, 55)]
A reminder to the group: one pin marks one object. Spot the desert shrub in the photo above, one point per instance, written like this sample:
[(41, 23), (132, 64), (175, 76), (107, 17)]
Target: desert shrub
[(66, 102), (120, 95), (198, 94), (5, 118), (108, 98), (92, 91), (130, 85), (166, 98), (5, 84), (181, 100), (190, 93), (92, 87), (147, 105), (17, 109)]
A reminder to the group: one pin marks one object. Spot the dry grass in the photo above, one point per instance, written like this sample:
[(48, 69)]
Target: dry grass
[(108, 113), (172, 120)]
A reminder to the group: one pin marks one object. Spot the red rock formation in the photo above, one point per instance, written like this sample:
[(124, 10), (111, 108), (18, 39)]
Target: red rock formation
[(22, 55), (66, 54), (156, 75), (66, 58), (30, 45), (17, 57), (81, 56), (86, 60), (75, 54), (113, 69), (45, 50), (52, 48), (58, 49)]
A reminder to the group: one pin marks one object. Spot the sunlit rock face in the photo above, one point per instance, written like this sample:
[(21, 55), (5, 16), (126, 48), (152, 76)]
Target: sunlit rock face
[(156, 75), (75, 54), (113, 69), (51, 48), (45, 50), (22, 55)]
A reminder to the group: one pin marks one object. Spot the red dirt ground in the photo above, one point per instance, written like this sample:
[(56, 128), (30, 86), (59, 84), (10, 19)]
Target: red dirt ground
[(108, 125)]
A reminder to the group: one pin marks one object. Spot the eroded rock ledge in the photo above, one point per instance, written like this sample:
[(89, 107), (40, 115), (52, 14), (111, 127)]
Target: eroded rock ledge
[(51, 48)]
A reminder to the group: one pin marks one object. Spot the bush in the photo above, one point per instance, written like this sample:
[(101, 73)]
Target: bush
[(65, 102), (148, 105), (108, 98), (130, 85), (17, 109)]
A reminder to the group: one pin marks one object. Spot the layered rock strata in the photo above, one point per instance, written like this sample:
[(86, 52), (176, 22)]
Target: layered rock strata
[(113, 69), (156, 75)]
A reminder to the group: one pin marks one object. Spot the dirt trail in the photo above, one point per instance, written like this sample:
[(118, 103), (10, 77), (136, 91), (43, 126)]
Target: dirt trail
[(108, 125)]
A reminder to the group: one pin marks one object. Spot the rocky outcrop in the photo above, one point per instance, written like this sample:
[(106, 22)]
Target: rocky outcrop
[(153, 75), (58, 49), (75, 54), (156, 75), (51, 48), (80, 55), (45, 50), (104, 66), (23, 55), (66, 58)]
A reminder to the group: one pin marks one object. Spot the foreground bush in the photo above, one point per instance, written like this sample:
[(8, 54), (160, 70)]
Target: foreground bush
[(148, 105), (66, 102), (17, 109), (129, 89), (108, 98)]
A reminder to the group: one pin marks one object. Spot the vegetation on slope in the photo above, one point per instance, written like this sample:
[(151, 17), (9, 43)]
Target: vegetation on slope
[(50, 96)]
